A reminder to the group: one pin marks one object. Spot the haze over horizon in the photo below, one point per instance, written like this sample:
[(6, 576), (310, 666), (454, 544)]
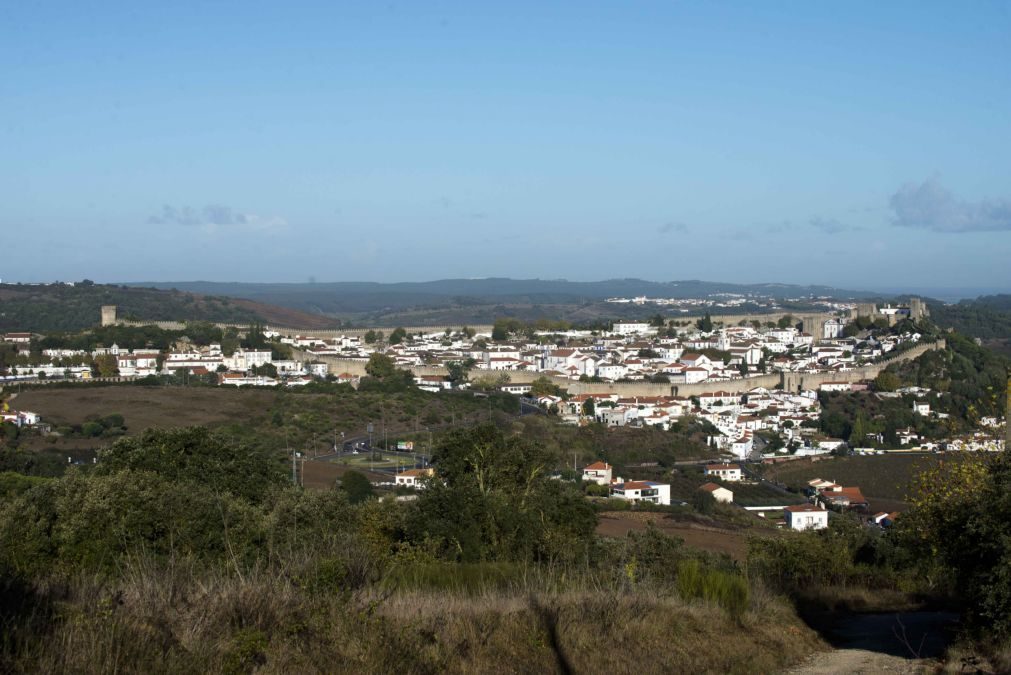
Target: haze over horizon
[(859, 146)]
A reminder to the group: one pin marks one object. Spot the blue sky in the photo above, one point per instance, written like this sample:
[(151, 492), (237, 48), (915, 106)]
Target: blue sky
[(861, 144)]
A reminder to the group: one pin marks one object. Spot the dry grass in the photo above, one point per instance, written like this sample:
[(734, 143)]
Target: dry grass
[(146, 407), (170, 620)]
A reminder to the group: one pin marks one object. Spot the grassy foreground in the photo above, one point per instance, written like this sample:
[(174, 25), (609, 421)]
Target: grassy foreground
[(158, 619)]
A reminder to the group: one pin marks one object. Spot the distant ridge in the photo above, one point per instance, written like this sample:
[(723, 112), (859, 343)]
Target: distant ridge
[(357, 297), (62, 307)]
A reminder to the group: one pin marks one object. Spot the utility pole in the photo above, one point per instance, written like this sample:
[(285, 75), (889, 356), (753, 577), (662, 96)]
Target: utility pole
[(372, 454)]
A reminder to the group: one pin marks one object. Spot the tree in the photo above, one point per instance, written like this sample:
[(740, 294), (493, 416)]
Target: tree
[(542, 386), (886, 381), (357, 487), (493, 499), (380, 366), (858, 435), (457, 371), (588, 408), (784, 321), (499, 331), (705, 324), (961, 517), (105, 365), (384, 376), (397, 336), (266, 369), (195, 455), (703, 502), (371, 337)]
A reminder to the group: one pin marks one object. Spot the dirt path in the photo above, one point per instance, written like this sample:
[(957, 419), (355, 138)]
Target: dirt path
[(861, 661), (904, 643)]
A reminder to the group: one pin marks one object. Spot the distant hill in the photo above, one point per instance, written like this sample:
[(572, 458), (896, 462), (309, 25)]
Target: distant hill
[(339, 299), (987, 318), (61, 307)]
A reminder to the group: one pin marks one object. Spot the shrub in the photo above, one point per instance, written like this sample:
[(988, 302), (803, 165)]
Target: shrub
[(92, 429), (725, 589)]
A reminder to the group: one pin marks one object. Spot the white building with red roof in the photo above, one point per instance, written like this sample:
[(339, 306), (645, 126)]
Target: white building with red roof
[(805, 517), (642, 491), (598, 472)]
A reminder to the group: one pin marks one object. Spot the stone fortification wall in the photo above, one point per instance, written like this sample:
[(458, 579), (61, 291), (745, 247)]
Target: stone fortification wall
[(359, 332), (164, 325), (736, 319), (628, 389), (787, 381), (801, 381)]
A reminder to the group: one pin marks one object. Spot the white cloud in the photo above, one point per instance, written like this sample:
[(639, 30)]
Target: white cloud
[(213, 216), (930, 206)]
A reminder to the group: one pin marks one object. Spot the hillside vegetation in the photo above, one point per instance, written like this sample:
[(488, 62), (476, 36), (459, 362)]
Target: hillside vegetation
[(183, 550), (483, 300), (61, 307), (986, 317)]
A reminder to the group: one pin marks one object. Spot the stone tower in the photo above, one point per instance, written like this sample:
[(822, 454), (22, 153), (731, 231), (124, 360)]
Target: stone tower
[(868, 309), (917, 309), (108, 315)]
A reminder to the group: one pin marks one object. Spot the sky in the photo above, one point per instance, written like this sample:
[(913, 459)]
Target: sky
[(857, 144)]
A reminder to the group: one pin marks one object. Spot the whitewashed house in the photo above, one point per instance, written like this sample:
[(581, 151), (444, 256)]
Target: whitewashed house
[(806, 517)]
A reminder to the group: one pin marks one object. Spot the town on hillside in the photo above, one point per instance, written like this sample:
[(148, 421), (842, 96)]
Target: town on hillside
[(759, 388)]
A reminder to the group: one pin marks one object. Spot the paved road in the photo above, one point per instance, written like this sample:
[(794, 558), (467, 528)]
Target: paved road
[(420, 459)]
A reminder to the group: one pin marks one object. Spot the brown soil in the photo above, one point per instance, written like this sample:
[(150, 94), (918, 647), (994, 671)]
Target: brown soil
[(715, 540), (322, 475), (144, 407)]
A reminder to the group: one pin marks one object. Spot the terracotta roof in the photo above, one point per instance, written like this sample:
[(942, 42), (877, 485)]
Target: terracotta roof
[(633, 485), (852, 493), (804, 508), (417, 472)]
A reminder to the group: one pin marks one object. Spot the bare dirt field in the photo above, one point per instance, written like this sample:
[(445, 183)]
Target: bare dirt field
[(323, 475), (884, 479), (144, 407), (733, 542)]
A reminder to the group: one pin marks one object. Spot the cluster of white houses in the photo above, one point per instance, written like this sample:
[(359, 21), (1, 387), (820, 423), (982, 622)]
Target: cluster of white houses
[(234, 369), (647, 491), (736, 417), (630, 351)]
